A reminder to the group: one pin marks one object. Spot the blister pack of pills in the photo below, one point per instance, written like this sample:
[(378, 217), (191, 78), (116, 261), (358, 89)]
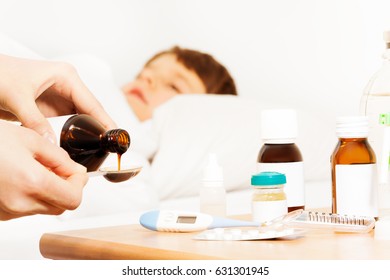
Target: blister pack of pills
[(237, 234), (292, 225)]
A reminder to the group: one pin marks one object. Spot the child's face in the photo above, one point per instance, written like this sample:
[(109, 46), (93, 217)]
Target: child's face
[(159, 81)]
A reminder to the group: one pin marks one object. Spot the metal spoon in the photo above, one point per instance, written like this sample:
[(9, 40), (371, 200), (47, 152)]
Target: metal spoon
[(116, 176)]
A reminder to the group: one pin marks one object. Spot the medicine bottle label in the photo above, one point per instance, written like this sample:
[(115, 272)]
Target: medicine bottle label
[(263, 211), (294, 187), (356, 189)]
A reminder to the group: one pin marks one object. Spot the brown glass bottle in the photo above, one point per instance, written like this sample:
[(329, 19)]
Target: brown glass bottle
[(353, 164), (277, 154), (349, 151), (87, 142)]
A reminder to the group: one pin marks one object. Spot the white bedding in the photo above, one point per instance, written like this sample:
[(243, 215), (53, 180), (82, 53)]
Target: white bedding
[(178, 138)]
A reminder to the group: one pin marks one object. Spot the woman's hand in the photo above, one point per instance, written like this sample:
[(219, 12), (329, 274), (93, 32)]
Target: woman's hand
[(36, 176), (31, 90)]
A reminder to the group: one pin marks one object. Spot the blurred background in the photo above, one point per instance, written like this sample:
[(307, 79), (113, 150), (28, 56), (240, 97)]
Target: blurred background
[(323, 52)]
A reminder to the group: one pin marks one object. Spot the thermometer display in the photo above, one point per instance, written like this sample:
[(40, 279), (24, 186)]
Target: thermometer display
[(186, 219)]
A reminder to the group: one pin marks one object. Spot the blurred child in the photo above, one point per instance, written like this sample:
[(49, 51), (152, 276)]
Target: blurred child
[(176, 71)]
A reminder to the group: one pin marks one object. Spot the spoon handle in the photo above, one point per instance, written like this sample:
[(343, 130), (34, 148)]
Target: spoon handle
[(96, 173)]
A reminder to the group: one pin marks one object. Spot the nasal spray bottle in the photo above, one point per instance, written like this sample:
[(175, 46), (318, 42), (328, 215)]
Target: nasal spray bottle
[(212, 192), (383, 166), (376, 98)]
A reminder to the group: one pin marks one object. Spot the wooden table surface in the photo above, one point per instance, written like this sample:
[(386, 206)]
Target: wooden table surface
[(136, 242)]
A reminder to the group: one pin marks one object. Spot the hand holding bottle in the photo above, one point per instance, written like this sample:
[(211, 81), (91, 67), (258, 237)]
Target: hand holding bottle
[(36, 177), (32, 90)]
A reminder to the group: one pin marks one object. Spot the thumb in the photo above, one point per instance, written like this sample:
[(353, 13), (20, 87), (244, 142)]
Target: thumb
[(32, 118)]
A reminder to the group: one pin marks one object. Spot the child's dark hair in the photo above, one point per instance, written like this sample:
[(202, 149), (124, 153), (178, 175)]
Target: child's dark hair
[(214, 76)]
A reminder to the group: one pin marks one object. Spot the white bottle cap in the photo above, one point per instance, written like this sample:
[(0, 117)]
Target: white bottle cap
[(279, 126), (212, 171), (386, 36), (352, 127)]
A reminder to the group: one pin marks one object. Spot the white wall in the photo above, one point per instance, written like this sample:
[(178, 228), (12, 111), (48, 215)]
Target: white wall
[(320, 51)]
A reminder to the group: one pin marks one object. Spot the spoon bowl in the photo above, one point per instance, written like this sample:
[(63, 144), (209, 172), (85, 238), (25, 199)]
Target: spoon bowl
[(116, 176)]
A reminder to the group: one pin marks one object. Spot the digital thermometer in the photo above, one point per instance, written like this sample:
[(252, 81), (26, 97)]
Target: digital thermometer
[(182, 221)]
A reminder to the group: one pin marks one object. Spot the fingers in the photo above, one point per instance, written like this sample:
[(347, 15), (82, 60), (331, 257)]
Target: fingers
[(56, 159), (63, 179), (68, 84), (47, 194), (52, 195), (44, 180), (55, 78), (28, 209), (31, 117), (62, 194)]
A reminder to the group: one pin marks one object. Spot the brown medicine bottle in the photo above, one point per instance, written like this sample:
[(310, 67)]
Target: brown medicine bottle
[(87, 142), (279, 153), (354, 188)]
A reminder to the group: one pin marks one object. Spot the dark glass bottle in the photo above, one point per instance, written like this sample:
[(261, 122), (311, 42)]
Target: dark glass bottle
[(354, 188), (87, 142), (279, 153), (285, 158)]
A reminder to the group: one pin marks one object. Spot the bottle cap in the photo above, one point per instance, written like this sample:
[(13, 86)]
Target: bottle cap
[(279, 126), (212, 171), (352, 127), (386, 36), (268, 179)]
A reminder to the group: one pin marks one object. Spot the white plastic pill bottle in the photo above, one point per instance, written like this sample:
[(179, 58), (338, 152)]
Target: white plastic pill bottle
[(268, 199)]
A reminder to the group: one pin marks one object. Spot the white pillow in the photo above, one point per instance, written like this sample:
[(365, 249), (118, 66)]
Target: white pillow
[(191, 126)]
